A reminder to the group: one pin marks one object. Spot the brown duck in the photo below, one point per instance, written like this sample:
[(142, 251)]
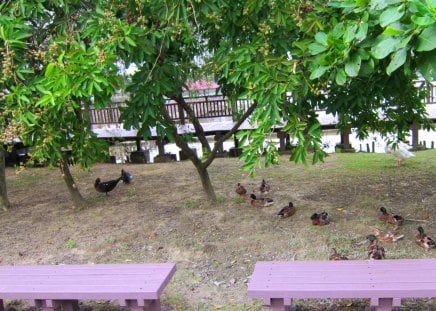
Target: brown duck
[(264, 187), (287, 211), (375, 251), (390, 218), (260, 202), (240, 189), (424, 240), (335, 256), (320, 219), (387, 236)]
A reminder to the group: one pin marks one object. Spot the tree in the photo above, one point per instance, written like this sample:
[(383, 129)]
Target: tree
[(50, 76)]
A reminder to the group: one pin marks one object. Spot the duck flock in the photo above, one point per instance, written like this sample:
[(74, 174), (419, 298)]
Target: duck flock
[(375, 248)]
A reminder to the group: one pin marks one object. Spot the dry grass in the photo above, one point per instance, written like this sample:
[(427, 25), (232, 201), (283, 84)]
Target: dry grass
[(164, 217)]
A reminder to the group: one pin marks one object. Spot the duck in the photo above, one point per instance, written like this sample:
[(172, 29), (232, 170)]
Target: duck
[(106, 186), (240, 189), (375, 251), (287, 211), (390, 218), (264, 187), (401, 152), (387, 236), (260, 202), (320, 219), (335, 256), (424, 240), (126, 176)]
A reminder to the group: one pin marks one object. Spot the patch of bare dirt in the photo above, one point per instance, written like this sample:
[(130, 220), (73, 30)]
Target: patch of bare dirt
[(163, 216)]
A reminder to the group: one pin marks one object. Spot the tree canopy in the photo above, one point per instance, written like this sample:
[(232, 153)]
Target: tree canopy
[(354, 58)]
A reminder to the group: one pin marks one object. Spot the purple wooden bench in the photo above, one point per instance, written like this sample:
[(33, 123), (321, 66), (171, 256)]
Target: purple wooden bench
[(137, 286), (385, 282)]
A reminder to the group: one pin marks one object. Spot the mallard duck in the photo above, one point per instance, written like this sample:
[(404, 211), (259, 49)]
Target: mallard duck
[(126, 176), (320, 219), (375, 251), (389, 218), (387, 236), (106, 186), (260, 202), (401, 152), (264, 187), (335, 256), (287, 211), (240, 189), (424, 240)]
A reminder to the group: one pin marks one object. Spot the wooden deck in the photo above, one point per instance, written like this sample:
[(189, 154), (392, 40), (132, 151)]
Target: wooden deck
[(214, 112)]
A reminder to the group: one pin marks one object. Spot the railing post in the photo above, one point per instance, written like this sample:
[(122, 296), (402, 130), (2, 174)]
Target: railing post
[(415, 134)]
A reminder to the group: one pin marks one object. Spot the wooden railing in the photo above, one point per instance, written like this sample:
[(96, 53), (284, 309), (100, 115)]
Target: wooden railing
[(203, 107)]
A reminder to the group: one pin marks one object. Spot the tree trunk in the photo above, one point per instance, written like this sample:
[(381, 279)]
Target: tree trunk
[(4, 201), (205, 181), (78, 200)]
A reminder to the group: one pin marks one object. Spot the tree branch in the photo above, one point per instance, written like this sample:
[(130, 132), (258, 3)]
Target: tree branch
[(180, 142), (191, 116), (223, 138)]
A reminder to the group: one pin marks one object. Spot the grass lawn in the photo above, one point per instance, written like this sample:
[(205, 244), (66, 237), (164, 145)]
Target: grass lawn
[(163, 216)]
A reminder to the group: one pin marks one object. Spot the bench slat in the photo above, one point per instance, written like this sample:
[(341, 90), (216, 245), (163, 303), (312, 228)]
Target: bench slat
[(342, 277)]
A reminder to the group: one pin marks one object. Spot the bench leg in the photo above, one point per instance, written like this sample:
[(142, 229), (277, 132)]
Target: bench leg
[(68, 305), (143, 305), (382, 304), (278, 304), (52, 305)]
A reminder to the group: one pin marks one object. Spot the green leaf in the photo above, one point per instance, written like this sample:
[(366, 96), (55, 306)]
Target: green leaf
[(427, 65), (391, 15), (367, 68), (426, 40), (362, 31), (130, 41), (61, 57), (45, 100), (392, 31), (321, 38), (49, 70), (316, 48), (341, 77), (398, 59), (350, 33), (352, 67), (381, 4), (363, 54), (318, 72), (338, 30), (416, 6), (385, 47), (426, 20)]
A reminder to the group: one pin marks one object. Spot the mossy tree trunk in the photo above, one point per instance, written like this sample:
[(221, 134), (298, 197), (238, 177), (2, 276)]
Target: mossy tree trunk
[(78, 200), (4, 200)]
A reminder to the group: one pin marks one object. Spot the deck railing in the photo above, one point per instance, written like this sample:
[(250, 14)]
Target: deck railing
[(203, 107)]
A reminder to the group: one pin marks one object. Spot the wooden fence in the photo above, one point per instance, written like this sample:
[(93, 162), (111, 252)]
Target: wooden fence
[(203, 107)]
